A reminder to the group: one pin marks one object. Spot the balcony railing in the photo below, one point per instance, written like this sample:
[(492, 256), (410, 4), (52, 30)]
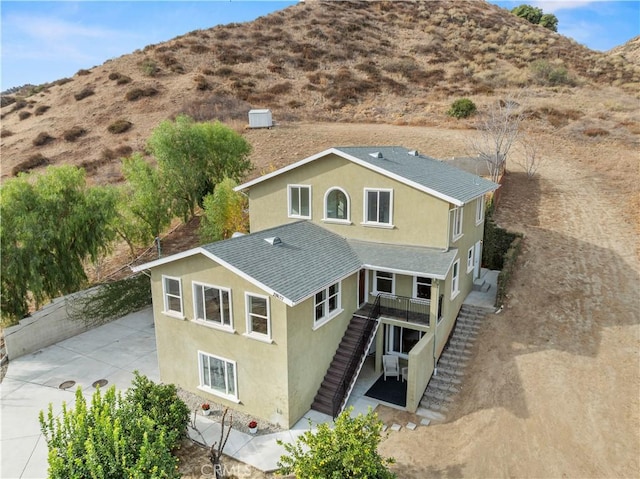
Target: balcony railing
[(415, 310)]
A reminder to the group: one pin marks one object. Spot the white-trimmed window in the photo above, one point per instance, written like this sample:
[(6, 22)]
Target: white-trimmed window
[(299, 201), (258, 316), (327, 304), (421, 287), (378, 207), (218, 376), (212, 304), (455, 279), (384, 282), (470, 260), (172, 292), (479, 210), (456, 223), (336, 205)]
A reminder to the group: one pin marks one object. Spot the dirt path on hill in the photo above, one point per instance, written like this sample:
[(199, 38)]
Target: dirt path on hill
[(554, 383)]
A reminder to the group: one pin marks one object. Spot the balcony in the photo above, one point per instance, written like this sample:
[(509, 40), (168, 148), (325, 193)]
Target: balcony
[(401, 308)]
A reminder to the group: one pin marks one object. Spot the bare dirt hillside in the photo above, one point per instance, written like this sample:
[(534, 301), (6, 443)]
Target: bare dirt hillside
[(371, 62)]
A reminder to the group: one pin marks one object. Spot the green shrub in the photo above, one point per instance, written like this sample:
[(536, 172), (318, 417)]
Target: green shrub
[(34, 161), (117, 436), (149, 67), (462, 108), (88, 91), (74, 133), (42, 139), (547, 74), (119, 126)]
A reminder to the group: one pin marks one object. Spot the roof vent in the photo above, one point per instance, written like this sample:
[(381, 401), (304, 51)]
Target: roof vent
[(376, 154), (237, 234), (413, 153), (274, 240)]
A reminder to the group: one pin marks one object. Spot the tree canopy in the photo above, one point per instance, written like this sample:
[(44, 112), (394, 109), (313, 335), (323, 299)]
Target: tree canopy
[(536, 16), (193, 157), (51, 224), (225, 212)]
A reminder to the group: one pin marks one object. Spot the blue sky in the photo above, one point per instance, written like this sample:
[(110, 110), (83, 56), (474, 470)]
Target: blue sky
[(43, 41)]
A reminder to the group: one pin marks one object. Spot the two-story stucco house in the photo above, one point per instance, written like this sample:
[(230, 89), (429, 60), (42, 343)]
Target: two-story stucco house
[(351, 250)]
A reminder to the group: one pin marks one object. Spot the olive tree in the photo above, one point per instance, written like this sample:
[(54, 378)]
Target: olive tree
[(193, 157), (52, 224)]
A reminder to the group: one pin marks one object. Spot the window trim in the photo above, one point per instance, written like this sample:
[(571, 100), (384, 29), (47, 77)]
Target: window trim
[(365, 208), (203, 387), (470, 258), (336, 220), (457, 221), (290, 213), (249, 332), (331, 314), (165, 294), (209, 322), (415, 288), (375, 283), (455, 279), (479, 210)]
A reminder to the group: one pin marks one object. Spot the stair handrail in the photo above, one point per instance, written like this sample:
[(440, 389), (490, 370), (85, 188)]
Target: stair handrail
[(358, 351)]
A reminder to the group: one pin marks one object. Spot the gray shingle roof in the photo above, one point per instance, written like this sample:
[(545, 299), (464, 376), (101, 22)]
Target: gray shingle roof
[(308, 259), (429, 173), (412, 260)]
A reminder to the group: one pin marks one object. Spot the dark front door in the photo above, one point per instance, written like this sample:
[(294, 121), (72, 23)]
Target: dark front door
[(362, 287)]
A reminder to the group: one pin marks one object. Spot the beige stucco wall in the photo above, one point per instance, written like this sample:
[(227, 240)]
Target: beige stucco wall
[(310, 351), (421, 365), (419, 219), (261, 367)]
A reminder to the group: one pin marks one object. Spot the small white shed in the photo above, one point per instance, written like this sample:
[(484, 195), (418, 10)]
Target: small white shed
[(260, 119)]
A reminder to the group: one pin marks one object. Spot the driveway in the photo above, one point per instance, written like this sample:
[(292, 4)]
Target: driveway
[(111, 352)]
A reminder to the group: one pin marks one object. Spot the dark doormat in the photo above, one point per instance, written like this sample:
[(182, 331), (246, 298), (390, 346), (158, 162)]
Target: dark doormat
[(392, 390)]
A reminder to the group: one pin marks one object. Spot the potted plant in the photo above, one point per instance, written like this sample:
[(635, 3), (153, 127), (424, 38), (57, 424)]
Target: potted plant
[(253, 427), (206, 409)]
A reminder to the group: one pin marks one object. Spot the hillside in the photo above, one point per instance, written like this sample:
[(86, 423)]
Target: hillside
[(380, 62)]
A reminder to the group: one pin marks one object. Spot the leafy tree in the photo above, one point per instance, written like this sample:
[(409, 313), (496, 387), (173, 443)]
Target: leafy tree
[(145, 206), (117, 436), (550, 21), (536, 16), (348, 450), (462, 108), (225, 212), (194, 157), (51, 225), (529, 13)]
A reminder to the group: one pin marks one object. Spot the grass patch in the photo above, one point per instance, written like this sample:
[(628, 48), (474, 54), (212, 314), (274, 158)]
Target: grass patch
[(119, 126), (34, 161)]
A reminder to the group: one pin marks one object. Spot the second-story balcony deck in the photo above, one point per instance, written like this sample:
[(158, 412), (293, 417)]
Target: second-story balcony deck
[(413, 310)]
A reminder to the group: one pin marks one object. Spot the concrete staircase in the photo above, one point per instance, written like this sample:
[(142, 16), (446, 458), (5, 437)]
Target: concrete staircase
[(444, 386), (335, 378), (481, 284)]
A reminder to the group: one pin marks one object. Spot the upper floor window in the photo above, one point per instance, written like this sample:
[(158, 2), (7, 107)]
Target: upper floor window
[(327, 303), (258, 316), (336, 205), (456, 223), (479, 210), (172, 292), (378, 207), (212, 304), (455, 279), (218, 375), (299, 201), (421, 287), (383, 282)]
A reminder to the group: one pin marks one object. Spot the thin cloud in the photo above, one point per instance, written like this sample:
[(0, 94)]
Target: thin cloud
[(550, 6)]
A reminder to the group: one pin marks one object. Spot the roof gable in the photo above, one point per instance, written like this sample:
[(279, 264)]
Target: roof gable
[(424, 173)]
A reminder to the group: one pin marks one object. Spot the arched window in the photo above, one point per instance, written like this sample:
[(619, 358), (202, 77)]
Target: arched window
[(336, 203)]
